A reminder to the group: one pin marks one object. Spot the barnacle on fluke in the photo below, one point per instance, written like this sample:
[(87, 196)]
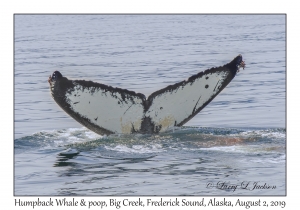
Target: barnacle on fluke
[(106, 110)]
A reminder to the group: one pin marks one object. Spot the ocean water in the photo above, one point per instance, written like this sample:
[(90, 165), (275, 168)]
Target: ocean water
[(239, 139)]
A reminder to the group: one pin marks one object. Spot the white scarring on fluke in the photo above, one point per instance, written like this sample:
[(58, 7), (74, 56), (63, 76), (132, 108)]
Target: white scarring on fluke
[(106, 110)]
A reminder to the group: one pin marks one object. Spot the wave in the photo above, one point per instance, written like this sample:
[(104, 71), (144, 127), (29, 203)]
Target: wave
[(185, 138)]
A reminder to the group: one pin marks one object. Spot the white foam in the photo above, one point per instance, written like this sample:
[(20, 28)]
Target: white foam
[(263, 133), (67, 136), (140, 149), (225, 149), (249, 149)]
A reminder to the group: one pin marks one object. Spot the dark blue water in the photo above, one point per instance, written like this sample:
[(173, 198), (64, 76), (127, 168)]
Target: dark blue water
[(239, 137)]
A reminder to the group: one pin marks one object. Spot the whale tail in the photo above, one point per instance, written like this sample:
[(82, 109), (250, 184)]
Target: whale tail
[(106, 110)]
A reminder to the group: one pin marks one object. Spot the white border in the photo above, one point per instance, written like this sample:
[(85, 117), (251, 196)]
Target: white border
[(8, 8)]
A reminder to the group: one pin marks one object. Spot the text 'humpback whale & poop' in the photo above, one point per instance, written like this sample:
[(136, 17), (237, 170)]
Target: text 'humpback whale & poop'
[(106, 110)]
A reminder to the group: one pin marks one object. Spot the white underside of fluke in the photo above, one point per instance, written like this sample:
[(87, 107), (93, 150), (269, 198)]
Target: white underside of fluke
[(173, 107), (106, 109)]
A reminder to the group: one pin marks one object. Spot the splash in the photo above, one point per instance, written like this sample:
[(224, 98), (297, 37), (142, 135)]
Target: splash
[(187, 138)]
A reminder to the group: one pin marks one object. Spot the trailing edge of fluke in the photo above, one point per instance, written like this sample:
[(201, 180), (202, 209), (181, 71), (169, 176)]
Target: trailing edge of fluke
[(106, 110)]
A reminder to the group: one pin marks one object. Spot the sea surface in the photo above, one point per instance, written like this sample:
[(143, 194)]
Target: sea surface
[(234, 146)]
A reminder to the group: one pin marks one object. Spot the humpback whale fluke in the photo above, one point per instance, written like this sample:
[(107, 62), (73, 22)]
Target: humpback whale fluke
[(106, 110)]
